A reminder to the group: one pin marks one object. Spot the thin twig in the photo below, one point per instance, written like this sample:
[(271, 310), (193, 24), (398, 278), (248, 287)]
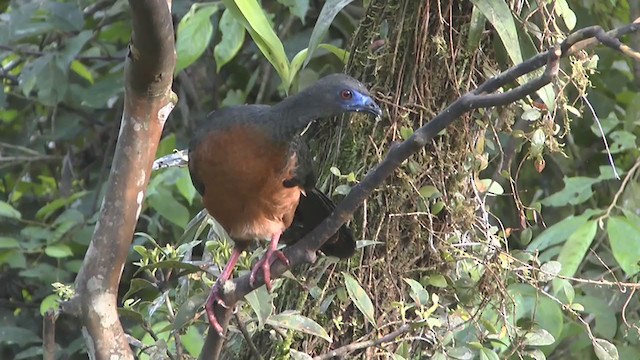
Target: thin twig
[(623, 186), (604, 136), (344, 350), (247, 337)]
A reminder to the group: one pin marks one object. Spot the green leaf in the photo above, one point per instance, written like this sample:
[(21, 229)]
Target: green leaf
[(51, 302), (53, 82), (58, 251), (8, 243), (538, 337), (297, 8), (476, 28), (330, 9), (17, 335), (30, 73), (558, 232), (46, 211), (65, 16), (428, 191), (194, 34), (568, 16), (30, 353), (137, 285), (73, 47), (296, 64), (499, 15), (262, 304), (622, 140), (534, 307), (606, 322), (298, 355), (250, 14), (605, 350), (185, 267), (624, 237), (460, 353), (576, 191), (531, 115), (575, 249), (8, 211), (188, 310), (185, 186), (418, 293), (488, 354), (193, 341), (341, 54), (297, 322), (437, 280), (233, 34), (360, 298), (169, 209), (490, 186), (84, 72)]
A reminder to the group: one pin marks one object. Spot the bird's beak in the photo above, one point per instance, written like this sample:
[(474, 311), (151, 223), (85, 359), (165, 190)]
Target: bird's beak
[(372, 108)]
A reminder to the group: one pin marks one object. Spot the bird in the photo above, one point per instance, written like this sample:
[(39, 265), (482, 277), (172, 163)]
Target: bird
[(254, 172)]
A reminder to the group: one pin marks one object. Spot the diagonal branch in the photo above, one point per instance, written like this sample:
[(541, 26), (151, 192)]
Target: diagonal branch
[(148, 101), (304, 251)]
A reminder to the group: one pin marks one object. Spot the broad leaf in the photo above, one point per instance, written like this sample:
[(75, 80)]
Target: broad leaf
[(360, 298), (8, 211), (188, 310), (329, 11), (233, 34), (575, 249), (297, 8), (558, 232), (297, 322), (194, 34), (250, 14), (262, 304), (605, 350), (624, 237), (418, 293)]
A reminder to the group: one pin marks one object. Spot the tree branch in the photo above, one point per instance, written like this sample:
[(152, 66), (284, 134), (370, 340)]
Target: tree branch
[(304, 251), (345, 350), (148, 101)]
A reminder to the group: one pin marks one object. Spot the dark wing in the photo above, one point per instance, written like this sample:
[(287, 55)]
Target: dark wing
[(314, 207)]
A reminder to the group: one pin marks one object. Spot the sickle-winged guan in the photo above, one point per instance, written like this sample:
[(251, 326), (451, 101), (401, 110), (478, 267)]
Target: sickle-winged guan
[(252, 169)]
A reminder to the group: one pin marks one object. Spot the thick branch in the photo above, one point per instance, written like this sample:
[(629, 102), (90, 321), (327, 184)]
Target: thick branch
[(484, 96), (148, 101)]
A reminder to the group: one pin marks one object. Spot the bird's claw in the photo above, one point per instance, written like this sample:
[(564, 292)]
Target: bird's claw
[(265, 265), (214, 298)]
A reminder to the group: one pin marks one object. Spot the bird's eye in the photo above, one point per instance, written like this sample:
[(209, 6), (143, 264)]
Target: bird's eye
[(346, 94)]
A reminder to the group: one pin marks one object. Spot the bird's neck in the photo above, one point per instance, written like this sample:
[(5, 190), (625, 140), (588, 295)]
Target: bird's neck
[(292, 115)]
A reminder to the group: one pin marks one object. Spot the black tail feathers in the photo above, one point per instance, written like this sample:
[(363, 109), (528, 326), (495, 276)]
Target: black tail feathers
[(313, 208)]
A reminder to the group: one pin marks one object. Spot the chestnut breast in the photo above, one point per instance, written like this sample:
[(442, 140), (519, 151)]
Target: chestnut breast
[(242, 172)]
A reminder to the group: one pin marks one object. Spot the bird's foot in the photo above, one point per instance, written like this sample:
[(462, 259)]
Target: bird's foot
[(265, 265), (215, 298)]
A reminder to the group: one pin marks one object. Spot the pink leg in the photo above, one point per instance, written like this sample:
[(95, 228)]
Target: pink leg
[(265, 262), (214, 295)]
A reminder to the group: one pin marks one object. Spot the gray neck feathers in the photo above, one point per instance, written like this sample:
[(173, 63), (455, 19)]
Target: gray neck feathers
[(292, 115)]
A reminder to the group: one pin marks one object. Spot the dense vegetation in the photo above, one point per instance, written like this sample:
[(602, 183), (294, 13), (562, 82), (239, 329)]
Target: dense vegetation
[(540, 262)]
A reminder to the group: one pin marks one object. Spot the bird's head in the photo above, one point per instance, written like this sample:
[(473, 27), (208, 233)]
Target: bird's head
[(340, 93)]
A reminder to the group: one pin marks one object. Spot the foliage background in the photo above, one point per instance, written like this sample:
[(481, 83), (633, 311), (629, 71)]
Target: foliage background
[(429, 255)]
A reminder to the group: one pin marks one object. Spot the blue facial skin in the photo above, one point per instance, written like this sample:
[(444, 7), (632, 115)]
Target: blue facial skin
[(363, 103)]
